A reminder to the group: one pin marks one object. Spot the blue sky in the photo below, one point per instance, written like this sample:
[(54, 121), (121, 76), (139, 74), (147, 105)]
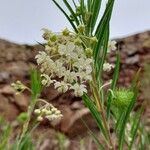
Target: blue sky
[(21, 21)]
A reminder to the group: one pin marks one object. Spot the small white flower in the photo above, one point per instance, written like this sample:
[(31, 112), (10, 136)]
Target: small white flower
[(39, 118), (79, 89), (48, 48), (59, 68), (57, 112), (70, 76), (62, 87), (70, 47), (54, 109), (48, 112), (88, 69), (46, 33), (112, 46), (84, 76), (47, 80), (44, 110), (37, 111), (107, 67), (40, 57), (61, 49)]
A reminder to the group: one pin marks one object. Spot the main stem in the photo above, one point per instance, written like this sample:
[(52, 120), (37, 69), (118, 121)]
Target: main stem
[(101, 110)]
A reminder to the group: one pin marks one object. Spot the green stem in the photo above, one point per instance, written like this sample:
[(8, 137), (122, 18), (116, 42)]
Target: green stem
[(26, 125), (100, 108)]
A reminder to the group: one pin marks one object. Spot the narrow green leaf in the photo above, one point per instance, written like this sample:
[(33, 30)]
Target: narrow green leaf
[(83, 10), (105, 18), (35, 83), (43, 45), (98, 143), (119, 120), (101, 29), (114, 82), (71, 11), (74, 3), (104, 52), (125, 119), (4, 137), (135, 79), (88, 102), (96, 5), (26, 143), (89, 4), (61, 9), (135, 126)]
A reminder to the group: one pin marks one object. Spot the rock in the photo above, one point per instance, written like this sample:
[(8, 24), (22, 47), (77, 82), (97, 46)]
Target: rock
[(132, 60), (4, 76), (48, 144), (18, 68), (75, 126), (7, 90), (7, 109), (21, 101), (76, 105)]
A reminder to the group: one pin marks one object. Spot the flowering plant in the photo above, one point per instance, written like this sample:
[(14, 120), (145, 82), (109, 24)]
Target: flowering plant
[(76, 61)]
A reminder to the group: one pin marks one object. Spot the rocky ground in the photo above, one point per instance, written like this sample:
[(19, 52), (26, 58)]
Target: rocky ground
[(15, 63)]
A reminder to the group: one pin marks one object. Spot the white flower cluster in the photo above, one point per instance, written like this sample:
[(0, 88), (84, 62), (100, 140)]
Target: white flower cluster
[(66, 60), (107, 67), (18, 86), (49, 112), (111, 47)]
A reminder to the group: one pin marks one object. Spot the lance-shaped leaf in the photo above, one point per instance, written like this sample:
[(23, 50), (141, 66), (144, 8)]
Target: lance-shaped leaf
[(95, 9), (97, 116), (102, 28), (66, 15), (114, 82)]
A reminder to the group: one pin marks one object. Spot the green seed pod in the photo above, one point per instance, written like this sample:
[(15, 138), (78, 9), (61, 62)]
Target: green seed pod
[(122, 98)]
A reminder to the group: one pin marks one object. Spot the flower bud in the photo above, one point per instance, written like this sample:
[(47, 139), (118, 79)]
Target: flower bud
[(37, 111), (39, 118), (81, 28), (53, 38), (44, 110), (46, 34), (65, 32), (88, 52), (18, 86), (57, 112), (93, 39), (54, 109), (48, 112), (77, 41)]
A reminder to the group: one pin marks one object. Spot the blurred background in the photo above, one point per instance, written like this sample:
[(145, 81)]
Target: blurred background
[(22, 20)]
